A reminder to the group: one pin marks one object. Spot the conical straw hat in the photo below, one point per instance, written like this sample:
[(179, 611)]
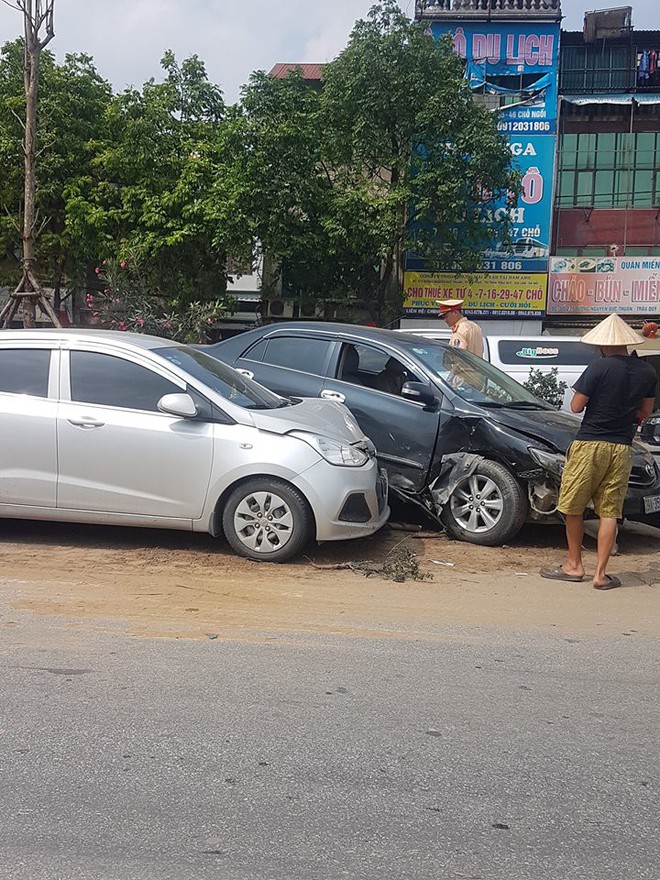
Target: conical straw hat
[(612, 331)]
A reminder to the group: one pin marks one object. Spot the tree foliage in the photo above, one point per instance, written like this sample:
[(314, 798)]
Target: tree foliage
[(73, 101), (279, 191), (392, 155), (146, 197), (335, 184), (548, 386), (418, 157)]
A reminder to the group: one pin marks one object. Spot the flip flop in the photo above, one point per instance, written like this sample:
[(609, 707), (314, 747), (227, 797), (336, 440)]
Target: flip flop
[(558, 574), (610, 584)]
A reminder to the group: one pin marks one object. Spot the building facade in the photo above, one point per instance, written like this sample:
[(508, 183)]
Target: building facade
[(582, 113), (606, 230)]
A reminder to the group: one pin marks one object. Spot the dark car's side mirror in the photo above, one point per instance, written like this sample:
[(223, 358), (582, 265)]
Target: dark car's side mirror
[(420, 392)]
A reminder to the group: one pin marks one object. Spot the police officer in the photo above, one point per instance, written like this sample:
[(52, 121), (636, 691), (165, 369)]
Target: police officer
[(464, 334)]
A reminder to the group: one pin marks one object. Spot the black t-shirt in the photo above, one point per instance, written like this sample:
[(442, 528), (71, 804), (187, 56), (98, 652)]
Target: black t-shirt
[(616, 387)]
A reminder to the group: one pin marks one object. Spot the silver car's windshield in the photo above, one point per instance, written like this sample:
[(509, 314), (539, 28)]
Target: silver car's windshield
[(474, 379), (220, 378)]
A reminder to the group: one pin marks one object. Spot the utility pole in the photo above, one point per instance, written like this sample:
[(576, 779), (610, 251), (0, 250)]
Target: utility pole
[(38, 30)]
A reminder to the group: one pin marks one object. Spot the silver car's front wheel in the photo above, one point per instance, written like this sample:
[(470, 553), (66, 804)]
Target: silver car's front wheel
[(267, 520)]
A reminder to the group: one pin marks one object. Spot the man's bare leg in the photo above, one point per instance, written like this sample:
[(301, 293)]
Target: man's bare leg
[(574, 536), (606, 541)]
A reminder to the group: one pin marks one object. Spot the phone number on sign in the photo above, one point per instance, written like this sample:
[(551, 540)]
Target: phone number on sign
[(531, 295), (521, 126)]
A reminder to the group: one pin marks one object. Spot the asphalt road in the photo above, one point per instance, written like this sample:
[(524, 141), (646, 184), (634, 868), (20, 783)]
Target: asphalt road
[(473, 754)]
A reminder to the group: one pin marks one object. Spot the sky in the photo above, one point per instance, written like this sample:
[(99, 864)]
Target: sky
[(127, 38)]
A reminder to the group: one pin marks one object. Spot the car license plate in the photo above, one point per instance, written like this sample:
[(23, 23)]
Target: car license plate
[(652, 504)]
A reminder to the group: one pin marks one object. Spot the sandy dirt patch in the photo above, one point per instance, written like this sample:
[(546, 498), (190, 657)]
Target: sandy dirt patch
[(178, 585)]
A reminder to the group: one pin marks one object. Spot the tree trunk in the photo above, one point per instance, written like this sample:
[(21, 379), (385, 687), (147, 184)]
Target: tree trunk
[(383, 287), (37, 14), (31, 75)]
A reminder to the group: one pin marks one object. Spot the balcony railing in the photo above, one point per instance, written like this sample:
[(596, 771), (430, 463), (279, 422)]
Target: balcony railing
[(494, 9)]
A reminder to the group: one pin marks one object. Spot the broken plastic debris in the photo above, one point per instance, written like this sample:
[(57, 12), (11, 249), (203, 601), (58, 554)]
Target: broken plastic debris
[(446, 564)]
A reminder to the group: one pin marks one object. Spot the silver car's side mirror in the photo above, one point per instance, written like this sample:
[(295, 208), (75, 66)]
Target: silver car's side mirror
[(181, 405)]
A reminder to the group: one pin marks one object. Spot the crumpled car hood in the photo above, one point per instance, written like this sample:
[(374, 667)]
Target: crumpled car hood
[(312, 414), (555, 429)]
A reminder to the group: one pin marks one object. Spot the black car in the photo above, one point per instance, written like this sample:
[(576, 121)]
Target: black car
[(650, 433), (454, 433)]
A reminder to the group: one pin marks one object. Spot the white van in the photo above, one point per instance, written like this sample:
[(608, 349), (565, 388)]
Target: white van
[(517, 355)]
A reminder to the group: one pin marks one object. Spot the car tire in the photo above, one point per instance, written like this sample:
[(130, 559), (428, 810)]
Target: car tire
[(488, 508), (267, 520)]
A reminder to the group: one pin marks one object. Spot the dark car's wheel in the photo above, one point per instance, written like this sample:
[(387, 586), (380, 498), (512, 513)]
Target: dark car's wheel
[(489, 507), (267, 520)]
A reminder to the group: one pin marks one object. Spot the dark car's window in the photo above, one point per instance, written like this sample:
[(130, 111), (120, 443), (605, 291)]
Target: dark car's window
[(257, 352), (298, 353), (372, 367), (472, 378), (24, 371), (220, 378), (112, 381), (566, 354)]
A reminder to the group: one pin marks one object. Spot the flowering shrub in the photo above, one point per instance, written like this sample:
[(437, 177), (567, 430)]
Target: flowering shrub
[(125, 302)]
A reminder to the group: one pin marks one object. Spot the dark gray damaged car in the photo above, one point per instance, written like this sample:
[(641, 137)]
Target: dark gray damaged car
[(455, 434)]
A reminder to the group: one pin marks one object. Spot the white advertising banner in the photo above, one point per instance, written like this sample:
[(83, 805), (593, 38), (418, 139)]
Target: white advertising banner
[(601, 285)]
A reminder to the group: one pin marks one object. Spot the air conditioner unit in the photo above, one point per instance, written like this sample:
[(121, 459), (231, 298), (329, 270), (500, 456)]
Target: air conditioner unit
[(279, 308), (312, 310)]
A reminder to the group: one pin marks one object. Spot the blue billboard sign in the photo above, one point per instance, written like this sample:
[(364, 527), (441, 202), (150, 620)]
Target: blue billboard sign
[(534, 158), (518, 62)]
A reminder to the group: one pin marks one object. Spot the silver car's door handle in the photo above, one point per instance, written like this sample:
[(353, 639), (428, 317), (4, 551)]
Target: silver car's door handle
[(86, 422), (243, 372), (337, 396)]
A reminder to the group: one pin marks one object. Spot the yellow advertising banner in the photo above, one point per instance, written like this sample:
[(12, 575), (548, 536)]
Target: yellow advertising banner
[(497, 294)]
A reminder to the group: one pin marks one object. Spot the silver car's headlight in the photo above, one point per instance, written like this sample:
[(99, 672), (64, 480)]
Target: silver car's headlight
[(551, 462), (333, 451)]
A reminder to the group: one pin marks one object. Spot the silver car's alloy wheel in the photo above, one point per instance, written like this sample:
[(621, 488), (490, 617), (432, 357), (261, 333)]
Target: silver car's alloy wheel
[(263, 522), (477, 504)]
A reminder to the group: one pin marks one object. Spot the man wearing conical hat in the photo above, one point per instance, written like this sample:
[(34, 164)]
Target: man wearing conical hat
[(616, 393), (464, 334)]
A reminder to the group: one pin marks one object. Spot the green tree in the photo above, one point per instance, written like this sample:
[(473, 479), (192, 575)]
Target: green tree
[(392, 154), (418, 160), (73, 101), (547, 386), (276, 189), (147, 197)]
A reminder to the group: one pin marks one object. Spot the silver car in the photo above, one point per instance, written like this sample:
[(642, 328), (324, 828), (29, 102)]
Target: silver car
[(124, 429)]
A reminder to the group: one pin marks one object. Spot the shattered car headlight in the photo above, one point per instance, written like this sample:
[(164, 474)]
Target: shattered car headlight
[(551, 462), (334, 451)]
